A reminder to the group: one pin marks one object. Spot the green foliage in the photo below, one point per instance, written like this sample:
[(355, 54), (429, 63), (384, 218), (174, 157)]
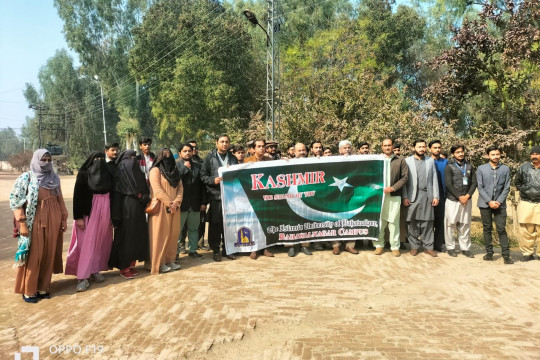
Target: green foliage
[(69, 101), (336, 91), (101, 34), (10, 143), (196, 58), (490, 76)]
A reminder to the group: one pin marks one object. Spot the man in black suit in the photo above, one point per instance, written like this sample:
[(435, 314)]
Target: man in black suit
[(195, 198)]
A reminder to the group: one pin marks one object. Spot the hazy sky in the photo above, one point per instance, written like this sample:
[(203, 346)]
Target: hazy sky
[(30, 33)]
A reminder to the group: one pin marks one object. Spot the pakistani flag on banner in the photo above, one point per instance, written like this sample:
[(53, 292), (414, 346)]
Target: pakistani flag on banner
[(302, 200)]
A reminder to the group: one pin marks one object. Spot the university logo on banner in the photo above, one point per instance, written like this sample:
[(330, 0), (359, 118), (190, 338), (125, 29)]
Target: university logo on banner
[(302, 200)]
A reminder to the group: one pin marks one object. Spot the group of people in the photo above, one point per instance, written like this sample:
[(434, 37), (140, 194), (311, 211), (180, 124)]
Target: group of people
[(129, 207)]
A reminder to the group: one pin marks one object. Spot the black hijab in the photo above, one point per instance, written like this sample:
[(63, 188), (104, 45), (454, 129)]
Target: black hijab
[(130, 179), (167, 166), (98, 177)]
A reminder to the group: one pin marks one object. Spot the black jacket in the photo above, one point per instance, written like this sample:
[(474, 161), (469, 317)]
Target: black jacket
[(527, 181), (453, 177), (209, 173), (194, 189)]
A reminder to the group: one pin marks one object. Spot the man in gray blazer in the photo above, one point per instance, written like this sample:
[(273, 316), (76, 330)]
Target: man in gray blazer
[(493, 188), (419, 197)]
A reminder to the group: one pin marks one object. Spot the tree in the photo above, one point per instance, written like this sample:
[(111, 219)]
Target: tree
[(101, 34), (335, 91), (195, 58), (491, 75), (10, 143), (70, 102)]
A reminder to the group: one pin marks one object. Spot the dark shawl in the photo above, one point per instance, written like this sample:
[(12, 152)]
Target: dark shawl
[(93, 178), (167, 166), (99, 178), (130, 180)]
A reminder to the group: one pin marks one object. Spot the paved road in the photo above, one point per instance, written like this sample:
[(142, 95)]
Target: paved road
[(319, 307)]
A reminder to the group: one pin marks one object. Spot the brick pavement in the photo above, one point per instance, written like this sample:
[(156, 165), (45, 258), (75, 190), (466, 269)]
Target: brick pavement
[(319, 307)]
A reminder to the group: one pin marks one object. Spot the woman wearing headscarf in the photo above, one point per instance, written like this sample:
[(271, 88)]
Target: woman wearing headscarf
[(91, 238), (164, 226), (130, 197), (38, 206)]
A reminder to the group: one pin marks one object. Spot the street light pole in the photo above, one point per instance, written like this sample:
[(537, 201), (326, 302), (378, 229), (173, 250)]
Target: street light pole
[(272, 64), (102, 108)]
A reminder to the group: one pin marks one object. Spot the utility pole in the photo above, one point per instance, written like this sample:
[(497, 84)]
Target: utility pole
[(66, 130), (40, 107), (102, 108), (272, 99), (272, 69)]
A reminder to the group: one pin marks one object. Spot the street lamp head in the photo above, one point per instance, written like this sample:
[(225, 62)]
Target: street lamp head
[(251, 17), (96, 77)]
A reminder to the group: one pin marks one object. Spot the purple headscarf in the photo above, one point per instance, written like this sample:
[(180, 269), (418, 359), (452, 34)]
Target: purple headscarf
[(44, 172)]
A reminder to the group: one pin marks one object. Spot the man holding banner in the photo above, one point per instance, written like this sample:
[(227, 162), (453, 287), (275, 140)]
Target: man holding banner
[(300, 151), (260, 155), (220, 157)]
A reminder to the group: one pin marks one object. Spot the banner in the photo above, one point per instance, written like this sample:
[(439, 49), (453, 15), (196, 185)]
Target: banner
[(302, 200)]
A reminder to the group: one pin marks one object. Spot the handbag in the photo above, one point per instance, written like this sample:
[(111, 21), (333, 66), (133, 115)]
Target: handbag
[(16, 224), (153, 207)]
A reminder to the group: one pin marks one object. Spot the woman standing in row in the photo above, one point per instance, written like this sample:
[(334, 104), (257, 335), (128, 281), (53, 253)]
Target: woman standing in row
[(164, 226), (92, 235), (130, 197), (38, 206)]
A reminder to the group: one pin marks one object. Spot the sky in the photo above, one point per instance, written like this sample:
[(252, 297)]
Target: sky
[(30, 34)]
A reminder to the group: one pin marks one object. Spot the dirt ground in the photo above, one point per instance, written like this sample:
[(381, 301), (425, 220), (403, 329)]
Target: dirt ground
[(318, 307)]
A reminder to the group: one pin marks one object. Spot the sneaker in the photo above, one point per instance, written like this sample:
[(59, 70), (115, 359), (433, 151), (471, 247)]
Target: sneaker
[(396, 253), (467, 253), (292, 252), (173, 266), (133, 271), (127, 275), (43, 295), (528, 257), (305, 250), (452, 253), (99, 278), (217, 257), (488, 257), (164, 268), (196, 255), (30, 299), (378, 250), (82, 285), (508, 261)]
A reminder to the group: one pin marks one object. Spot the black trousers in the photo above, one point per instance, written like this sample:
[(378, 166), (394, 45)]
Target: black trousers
[(215, 228), (499, 216), (438, 236)]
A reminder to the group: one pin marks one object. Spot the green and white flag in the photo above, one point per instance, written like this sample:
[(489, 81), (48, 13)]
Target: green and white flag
[(302, 200)]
